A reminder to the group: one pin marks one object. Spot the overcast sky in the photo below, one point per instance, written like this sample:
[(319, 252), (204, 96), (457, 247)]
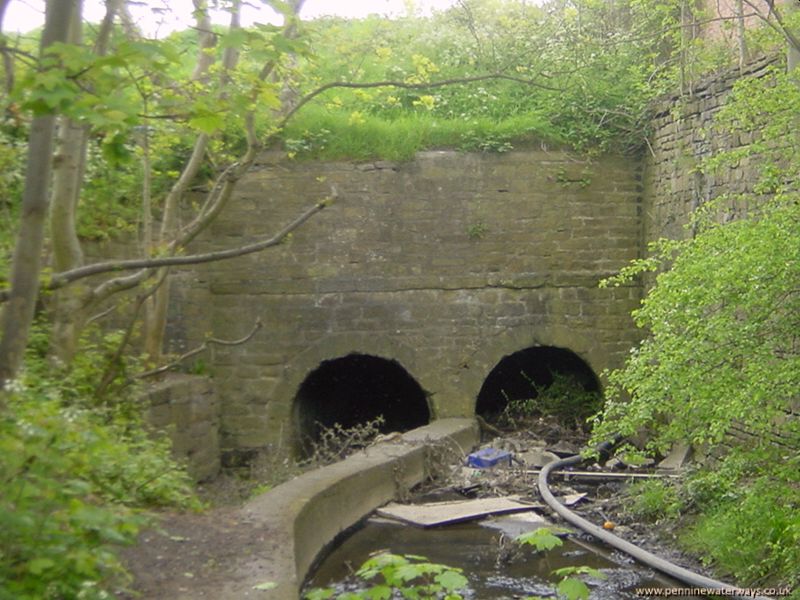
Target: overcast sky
[(24, 15)]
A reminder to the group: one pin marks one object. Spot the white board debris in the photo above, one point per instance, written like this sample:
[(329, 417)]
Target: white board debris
[(571, 499), (516, 524), (442, 513)]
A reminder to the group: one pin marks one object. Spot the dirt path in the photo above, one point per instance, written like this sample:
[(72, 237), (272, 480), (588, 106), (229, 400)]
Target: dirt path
[(190, 553)]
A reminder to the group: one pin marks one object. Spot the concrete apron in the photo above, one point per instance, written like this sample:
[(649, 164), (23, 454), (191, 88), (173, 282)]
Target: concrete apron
[(306, 514)]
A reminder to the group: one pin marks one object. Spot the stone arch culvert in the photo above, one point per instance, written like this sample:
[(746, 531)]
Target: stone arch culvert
[(356, 389), (526, 375)]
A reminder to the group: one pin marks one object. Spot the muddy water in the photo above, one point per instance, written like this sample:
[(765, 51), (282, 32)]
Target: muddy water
[(475, 548)]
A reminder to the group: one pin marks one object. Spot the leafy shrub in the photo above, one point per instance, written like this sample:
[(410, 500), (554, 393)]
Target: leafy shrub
[(719, 366), (569, 587), (74, 476), (413, 576), (565, 399)]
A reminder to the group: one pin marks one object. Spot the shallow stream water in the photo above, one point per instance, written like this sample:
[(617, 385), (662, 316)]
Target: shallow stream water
[(475, 547)]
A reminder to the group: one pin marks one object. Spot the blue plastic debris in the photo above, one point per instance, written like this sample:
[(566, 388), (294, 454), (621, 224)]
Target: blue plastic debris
[(488, 457)]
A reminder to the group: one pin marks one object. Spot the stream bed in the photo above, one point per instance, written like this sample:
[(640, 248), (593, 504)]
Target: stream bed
[(483, 550)]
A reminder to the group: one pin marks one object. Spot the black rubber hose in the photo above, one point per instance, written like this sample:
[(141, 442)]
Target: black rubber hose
[(651, 560)]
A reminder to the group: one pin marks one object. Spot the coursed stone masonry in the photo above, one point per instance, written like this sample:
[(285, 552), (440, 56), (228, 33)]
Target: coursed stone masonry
[(186, 408), (683, 136), (446, 264)]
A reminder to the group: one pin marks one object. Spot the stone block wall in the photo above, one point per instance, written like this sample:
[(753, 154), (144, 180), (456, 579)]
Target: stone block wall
[(446, 264), (186, 409), (683, 136)]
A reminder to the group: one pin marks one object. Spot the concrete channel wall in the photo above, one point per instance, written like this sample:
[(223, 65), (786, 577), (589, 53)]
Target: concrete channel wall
[(303, 516)]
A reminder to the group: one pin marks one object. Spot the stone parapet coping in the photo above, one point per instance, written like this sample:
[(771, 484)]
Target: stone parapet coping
[(308, 512)]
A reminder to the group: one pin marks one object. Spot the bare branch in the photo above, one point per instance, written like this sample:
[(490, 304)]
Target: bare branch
[(216, 201), (61, 279), (110, 287), (777, 23), (101, 315), (202, 348), (112, 366), (226, 181), (113, 8)]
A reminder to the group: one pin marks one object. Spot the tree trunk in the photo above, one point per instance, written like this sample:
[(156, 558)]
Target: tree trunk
[(740, 35), (793, 51), (69, 311), (68, 170), (155, 320), (26, 266), (8, 61)]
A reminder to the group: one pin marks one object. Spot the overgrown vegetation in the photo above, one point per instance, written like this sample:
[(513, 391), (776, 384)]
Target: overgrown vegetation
[(720, 366), (563, 81), (76, 474), (566, 400), (740, 516), (156, 119), (410, 575), (385, 575)]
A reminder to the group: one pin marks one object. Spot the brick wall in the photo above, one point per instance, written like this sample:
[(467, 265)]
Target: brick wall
[(186, 408)]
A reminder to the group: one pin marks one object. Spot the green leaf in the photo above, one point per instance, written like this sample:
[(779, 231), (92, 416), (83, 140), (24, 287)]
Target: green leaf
[(573, 589), (417, 557), (207, 122), (235, 38), (379, 592), (38, 565), (580, 570), (451, 580), (542, 539)]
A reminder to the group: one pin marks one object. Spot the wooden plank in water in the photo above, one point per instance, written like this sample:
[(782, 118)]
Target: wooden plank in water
[(442, 513)]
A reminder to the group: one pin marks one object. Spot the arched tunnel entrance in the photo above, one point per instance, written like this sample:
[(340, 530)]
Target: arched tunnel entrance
[(356, 389), (552, 375)]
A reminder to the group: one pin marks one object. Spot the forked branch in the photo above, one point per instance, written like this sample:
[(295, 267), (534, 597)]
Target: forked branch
[(202, 348)]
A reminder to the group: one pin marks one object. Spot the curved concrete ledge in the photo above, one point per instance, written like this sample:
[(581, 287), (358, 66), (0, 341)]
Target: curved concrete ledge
[(303, 515)]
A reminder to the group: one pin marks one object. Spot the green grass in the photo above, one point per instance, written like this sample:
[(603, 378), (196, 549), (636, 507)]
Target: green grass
[(746, 526), (655, 499), (322, 133), (755, 536)]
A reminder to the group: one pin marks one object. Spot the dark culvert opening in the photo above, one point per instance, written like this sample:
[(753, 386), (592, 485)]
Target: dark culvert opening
[(356, 389), (542, 380)]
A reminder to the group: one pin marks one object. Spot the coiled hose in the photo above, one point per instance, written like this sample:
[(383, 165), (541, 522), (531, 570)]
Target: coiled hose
[(651, 560)]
